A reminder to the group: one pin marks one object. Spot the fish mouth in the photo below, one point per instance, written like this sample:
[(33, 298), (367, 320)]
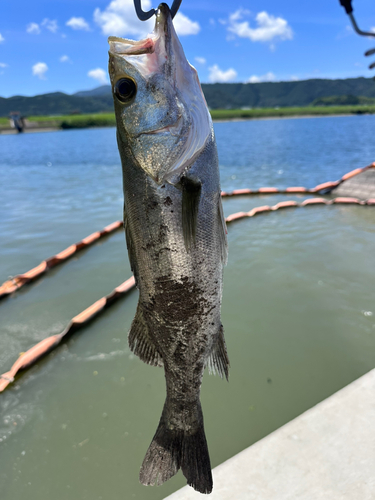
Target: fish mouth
[(127, 47), (173, 129)]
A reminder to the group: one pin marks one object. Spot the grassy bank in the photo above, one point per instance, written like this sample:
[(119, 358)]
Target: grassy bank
[(232, 114), (108, 119)]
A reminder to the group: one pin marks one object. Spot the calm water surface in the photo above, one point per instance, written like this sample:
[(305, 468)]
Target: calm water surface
[(298, 306)]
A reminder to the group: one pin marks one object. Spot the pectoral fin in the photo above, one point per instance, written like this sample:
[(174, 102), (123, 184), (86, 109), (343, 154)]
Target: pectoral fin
[(191, 193), (223, 235), (131, 248)]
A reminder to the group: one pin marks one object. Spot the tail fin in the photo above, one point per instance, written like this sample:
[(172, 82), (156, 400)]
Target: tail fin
[(172, 449)]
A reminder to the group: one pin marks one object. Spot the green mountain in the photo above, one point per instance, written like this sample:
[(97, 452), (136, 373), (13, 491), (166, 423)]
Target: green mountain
[(283, 94), (56, 103), (344, 100), (218, 96)]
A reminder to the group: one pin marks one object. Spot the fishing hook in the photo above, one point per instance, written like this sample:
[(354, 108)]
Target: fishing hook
[(347, 4), (143, 16)]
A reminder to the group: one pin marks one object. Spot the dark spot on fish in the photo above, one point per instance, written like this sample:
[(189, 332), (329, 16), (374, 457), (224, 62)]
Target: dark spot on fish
[(152, 204), (185, 302), (168, 201), (163, 186), (171, 211)]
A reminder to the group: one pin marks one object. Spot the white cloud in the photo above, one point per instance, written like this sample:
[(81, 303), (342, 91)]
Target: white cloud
[(218, 75), (33, 28), (119, 18), (200, 60), (98, 74), (1, 38), (268, 77), (39, 70), (50, 24), (64, 59), (184, 26), (78, 23), (294, 78), (269, 27), (3, 65)]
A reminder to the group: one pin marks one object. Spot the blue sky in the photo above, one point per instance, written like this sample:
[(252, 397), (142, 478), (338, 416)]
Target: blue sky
[(48, 46)]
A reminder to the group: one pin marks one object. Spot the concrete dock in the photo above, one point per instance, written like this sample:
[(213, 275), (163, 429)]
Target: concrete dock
[(327, 453), (360, 186)]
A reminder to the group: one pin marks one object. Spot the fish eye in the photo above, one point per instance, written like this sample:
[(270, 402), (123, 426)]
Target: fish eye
[(125, 89)]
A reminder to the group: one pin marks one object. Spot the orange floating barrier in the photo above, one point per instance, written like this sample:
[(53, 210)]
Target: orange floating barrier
[(296, 189), (348, 200), (238, 192), (325, 185), (236, 216), (18, 281), (351, 174), (258, 210), (315, 201), (285, 204), (43, 347), (266, 190)]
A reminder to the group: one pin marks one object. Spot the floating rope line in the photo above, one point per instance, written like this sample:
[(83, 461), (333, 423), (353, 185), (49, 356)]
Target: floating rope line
[(294, 204), (326, 187), (16, 282), (39, 350), (31, 356)]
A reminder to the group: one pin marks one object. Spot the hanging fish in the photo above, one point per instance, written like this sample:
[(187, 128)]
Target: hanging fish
[(176, 238)]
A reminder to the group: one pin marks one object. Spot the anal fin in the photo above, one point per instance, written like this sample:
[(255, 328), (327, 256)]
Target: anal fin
[(218, 361), (140, 342)]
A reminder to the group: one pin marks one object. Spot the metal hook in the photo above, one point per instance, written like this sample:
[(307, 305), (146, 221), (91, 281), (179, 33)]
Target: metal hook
[(143, 16), (347, 4)]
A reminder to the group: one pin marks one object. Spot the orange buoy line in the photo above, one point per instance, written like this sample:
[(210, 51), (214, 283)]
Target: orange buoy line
[(45, 346), (36, 352), (327, 187), (16, 282), (294, 204)]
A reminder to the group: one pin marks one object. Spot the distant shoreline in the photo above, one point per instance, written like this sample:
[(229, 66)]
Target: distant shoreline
[(100, 120), (286, 117), (33, 130)]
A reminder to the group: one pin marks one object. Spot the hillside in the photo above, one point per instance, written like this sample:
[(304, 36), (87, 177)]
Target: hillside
[(218, 96)]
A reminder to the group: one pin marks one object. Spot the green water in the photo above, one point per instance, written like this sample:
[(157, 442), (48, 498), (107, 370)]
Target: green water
[(298, 312)]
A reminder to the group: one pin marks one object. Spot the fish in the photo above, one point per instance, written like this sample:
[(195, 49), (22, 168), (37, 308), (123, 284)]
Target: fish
[(176, 238)]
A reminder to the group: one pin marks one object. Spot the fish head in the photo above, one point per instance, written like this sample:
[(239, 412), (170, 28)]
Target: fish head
[(161, 112)]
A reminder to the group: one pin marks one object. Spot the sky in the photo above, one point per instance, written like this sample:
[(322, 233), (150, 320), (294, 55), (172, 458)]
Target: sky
[(49, 46)]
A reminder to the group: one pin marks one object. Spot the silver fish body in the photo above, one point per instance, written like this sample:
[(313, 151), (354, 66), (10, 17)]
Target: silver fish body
[(176, 239)]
